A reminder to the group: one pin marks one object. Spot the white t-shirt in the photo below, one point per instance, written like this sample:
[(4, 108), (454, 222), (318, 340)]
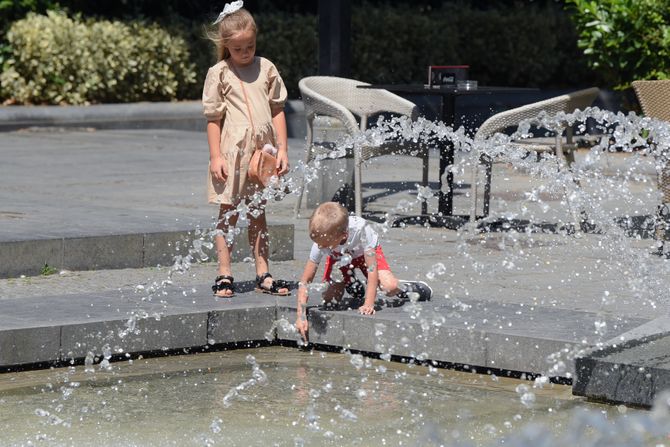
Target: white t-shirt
[(361, 237)]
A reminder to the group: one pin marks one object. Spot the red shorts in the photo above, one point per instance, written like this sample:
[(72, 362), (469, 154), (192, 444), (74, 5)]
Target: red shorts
[(356, 263)]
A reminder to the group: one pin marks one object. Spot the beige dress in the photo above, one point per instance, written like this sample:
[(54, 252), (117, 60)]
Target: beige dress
[(223, 100)]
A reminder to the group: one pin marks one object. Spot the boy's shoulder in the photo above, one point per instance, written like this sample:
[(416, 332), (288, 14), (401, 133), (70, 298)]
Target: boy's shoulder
[(356, 221)]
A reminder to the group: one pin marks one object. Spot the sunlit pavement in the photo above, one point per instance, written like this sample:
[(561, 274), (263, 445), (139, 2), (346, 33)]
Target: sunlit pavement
[(528, 296)]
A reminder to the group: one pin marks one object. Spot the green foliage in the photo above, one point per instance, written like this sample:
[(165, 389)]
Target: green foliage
[(529, 45), (291, 43), (11, 10), (56, 59), (48, 270), (625, 40)]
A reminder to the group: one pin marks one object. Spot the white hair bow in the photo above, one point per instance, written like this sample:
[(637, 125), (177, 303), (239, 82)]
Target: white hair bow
[(229, 8)]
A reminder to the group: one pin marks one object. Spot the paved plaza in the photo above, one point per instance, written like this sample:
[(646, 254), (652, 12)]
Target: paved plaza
[(503, 300)]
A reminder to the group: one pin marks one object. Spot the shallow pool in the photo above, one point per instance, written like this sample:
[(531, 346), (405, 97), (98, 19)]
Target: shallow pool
[(274, 396)]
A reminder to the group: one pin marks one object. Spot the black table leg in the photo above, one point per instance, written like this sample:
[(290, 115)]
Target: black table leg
[(446, 198)]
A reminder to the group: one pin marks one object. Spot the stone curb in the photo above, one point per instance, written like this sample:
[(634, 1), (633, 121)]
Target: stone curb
[(137, 250), (62, 328), (183, 115), (514, 339), (67, 327), (631, 369)]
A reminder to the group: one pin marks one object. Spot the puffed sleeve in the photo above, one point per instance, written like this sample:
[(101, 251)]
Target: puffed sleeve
[(276, 89), (213, 99)]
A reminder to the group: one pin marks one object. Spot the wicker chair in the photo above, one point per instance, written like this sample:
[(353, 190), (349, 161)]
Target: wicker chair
[(567, 103), (654, 98), (341, 99)]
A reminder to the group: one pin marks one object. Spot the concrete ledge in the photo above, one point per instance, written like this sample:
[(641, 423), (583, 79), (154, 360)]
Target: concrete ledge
[(631, 369), (476, 333), (61, 328), (125, 251), (183, 115), (186, 115), (486, 334), (168, 332)]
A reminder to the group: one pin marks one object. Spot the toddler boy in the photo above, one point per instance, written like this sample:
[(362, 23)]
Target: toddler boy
[(348, 242)]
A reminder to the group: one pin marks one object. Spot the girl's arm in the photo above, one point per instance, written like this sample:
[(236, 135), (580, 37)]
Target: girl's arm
[(303, 295), (216, 165), (279, 123), (368, 307)]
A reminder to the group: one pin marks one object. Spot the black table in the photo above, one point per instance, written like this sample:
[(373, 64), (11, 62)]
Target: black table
[(447, 114)]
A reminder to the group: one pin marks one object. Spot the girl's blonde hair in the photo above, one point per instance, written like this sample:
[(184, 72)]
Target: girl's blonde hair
[(330, 218), (232, 24)]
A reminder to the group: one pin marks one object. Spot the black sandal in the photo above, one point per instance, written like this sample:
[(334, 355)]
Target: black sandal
[(223, 282), (274, 289)]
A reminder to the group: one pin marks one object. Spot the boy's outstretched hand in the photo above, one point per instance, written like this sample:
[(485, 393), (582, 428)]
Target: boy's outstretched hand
[(367, 309), (302, 325)]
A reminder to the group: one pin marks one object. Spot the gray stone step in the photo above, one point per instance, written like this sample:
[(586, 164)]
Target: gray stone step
[(135, 250), (479, 334), (475, 333), (632, 369), (183, 115), (58, 328)]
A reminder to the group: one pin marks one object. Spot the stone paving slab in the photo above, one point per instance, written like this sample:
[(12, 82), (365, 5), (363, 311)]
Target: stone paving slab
[(632, 374), (107, 199)]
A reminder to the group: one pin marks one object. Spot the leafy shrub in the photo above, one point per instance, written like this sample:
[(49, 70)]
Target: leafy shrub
[(57, 59), (625, 40), (529, 45), (290, 41)]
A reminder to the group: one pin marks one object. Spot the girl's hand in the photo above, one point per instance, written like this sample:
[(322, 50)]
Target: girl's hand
[(367, 309), (282, 161), (218, 169)]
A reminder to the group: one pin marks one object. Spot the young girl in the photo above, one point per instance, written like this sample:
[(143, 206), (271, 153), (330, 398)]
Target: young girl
[(243, 100)]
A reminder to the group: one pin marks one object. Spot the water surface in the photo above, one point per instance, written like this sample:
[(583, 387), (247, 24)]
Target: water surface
[(273, 396)]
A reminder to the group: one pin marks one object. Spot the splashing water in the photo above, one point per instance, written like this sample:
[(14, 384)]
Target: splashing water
[(587, 197), (258, 377)]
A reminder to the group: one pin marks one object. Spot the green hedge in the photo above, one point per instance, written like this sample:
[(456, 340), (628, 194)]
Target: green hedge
[(534, 45), (625, 40), (531, 44), (56, 59)]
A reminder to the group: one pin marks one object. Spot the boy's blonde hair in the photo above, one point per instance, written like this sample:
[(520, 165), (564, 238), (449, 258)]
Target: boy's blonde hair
[(329, 218), (232, 24)]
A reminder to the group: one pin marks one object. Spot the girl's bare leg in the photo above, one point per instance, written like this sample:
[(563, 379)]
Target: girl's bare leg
[(258, 240), (223, 248)]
